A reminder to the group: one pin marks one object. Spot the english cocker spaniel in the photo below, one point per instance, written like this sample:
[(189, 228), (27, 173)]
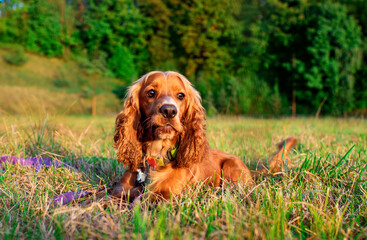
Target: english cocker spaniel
[(160, 137)]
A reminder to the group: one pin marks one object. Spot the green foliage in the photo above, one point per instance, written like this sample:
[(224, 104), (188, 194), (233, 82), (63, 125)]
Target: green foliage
[(44, 29), (240, 95), (160, 45), (14, 25), (117, 29), (245, 56), (201, 32), (16, 56), (318, 62), (358, 9), (334, 56), (122, 64)]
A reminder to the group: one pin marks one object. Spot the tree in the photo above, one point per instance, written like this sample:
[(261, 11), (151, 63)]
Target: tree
[(199, 33), (13, 22), (312, 49), (112, 34), (203, 36), (44, 31), (244, 56), (358, 9), (335, 55), (160, 46)]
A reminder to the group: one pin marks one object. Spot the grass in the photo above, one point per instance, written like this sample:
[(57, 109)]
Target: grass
[(323, 196), (54, 86)]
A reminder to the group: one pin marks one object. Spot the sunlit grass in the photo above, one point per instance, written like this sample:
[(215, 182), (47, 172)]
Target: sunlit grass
[(323, 196), (52, 85)]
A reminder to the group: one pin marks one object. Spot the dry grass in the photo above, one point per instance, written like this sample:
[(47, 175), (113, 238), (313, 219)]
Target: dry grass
[(53, 86), (323, 196), (20, 100)]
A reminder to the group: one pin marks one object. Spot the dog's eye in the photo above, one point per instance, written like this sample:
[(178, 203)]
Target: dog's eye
[(180, 96), (151, 93)]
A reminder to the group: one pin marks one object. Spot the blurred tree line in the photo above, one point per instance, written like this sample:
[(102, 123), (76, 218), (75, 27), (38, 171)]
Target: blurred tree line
[(264, 57)]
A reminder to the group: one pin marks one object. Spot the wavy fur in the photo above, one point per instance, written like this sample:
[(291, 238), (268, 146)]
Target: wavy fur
[(195, 161), (194, 145), (128, 130)]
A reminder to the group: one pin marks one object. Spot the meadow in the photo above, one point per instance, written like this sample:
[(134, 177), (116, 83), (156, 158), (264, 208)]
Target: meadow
[(322, 195), (56, 86)]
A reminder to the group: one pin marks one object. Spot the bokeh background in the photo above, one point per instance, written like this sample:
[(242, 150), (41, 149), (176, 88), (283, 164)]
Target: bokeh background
[(249, 57)]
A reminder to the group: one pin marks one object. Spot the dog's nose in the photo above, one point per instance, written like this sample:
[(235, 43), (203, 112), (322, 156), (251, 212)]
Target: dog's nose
[(168, 111)]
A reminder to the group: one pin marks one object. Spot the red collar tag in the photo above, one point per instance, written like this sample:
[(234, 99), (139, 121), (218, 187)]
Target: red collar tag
[(152, 162)]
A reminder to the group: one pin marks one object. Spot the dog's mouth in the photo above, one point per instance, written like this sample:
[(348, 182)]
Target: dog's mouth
[(166, 131), (163, 128)]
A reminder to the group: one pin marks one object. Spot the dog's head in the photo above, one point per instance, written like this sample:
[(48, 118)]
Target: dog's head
[(161, 105)]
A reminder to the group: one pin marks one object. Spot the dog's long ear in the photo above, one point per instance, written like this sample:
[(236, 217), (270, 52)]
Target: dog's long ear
[(194, 145), (128, 130)]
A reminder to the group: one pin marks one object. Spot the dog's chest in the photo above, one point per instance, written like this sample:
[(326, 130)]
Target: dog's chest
[(157, 153), (158, 149)]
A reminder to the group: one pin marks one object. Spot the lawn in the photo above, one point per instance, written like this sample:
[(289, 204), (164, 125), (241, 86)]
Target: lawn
[(323, 195)]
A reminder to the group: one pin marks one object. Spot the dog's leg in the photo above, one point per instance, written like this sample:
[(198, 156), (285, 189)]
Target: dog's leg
[(235, 171), (168, 181), (126, 188)]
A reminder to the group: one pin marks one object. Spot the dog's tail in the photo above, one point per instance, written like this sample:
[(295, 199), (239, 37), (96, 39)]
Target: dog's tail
[(281, 159)]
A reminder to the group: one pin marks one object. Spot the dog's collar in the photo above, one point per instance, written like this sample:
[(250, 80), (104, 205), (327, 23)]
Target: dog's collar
[(171, 155), (151, 162)]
